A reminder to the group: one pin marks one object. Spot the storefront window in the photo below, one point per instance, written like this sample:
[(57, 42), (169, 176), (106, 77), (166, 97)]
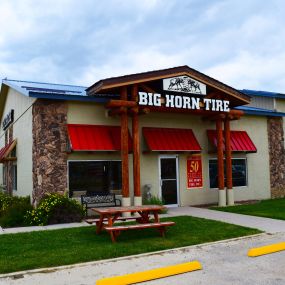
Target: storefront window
[(94, 176), (239, 168)]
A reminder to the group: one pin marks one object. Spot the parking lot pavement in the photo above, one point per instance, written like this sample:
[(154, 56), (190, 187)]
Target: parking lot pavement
[(224, 263)]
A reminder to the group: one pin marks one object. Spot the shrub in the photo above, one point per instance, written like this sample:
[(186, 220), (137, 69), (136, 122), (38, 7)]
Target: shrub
[(13, 209), (55, 209), (14, 216), (155, 200)]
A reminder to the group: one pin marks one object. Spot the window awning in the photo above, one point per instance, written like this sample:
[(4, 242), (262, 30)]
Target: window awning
[(6, 150), (169, 139), (95, 137), (240, 141)]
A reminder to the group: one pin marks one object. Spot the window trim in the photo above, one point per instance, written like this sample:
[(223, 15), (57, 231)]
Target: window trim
[(246, 165), (83, 160)]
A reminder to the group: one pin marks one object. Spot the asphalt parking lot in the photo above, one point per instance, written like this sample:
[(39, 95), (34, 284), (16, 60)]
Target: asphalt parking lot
[(223, 263)]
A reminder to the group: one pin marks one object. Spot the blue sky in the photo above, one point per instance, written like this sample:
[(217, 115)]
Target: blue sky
[(241, 43)]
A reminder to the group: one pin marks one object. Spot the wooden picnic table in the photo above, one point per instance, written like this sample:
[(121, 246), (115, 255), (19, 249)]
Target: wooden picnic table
[(108, 216)]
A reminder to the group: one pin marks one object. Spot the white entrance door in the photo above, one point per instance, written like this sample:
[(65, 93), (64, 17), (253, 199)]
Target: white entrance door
[(168, 178)]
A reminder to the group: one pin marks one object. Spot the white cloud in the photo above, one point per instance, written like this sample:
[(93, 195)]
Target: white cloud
[(70, 41)]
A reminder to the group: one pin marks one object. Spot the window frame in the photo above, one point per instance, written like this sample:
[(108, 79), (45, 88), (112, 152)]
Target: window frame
[(236, 158), (85, 160)]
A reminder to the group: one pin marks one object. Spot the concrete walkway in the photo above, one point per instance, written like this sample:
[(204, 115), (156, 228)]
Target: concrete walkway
[(263, 224)]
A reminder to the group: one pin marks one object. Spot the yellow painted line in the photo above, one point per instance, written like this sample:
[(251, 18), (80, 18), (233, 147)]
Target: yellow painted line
[(266, 249), (150, 274)]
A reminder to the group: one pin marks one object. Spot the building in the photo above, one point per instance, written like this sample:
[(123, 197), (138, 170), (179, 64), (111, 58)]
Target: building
[(176, 133)]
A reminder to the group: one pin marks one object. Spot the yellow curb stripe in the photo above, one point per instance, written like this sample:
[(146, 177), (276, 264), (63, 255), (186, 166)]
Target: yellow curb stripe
[(151, 274), (266, 249)]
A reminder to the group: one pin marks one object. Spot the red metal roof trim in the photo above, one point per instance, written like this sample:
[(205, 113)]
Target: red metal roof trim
[(95, 137), (240, 141), (170, 139), (4, 151)]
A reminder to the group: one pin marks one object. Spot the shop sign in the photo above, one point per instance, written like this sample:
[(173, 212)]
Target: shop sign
[(183, 102), (184, 84), (8, 120), (194, 172)]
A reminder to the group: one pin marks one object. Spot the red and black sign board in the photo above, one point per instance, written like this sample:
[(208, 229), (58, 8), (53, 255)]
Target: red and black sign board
[(194, 171)]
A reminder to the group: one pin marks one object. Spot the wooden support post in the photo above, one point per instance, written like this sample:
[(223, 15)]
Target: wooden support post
[(136, 149), (228, 152), (221, 183), (124, 146)]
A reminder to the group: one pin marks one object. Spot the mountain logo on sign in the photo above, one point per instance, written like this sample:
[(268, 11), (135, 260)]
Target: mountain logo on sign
[(184, 84)]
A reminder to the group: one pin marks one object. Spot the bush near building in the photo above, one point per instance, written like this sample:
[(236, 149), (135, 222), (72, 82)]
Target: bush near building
[(52, 209), (55, 209), (13, 210)]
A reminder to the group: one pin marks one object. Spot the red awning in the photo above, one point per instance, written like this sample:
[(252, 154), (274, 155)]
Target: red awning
[(5, 151), (240, 141), (95, 137), (166, 139)]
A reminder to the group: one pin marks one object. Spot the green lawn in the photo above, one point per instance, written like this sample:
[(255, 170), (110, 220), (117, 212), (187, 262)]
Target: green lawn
[(274, 209), (67, 246)]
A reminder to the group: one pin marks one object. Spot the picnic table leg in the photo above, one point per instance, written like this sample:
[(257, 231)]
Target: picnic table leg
[(144, 217), (99, 225), (162, 231), (156, 217)]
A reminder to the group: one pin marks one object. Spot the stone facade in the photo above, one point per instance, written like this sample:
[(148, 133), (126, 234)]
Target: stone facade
[(276, 156), (49, 148)]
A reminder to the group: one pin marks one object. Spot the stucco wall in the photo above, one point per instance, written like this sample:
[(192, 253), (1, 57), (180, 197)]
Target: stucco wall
[(258, 163), (22, 131)]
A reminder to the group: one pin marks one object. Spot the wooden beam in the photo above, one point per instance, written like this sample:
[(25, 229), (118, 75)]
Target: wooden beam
[(228, 152), (116, 111), (121, 103), (221, 177), (124, 146), (146, 88), (136, 145)]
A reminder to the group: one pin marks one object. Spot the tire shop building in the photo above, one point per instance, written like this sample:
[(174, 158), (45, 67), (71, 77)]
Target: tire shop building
[(175, 133)]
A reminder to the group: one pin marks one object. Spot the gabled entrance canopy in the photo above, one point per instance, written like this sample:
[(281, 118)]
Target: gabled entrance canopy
[(151, 82)]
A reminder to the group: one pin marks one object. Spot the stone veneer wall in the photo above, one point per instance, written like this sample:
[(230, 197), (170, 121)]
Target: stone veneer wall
[(276, 156), (49, 147)]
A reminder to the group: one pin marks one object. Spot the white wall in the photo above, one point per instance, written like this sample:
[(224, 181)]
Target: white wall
[(22, 131)]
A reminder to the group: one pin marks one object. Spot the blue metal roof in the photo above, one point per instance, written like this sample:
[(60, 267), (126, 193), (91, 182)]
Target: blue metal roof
[(259, 111), (55, 91), (263, 93), (78, 93), (25, 87)]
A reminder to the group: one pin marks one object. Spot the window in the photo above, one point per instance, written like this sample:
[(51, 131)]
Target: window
[(239, 168), (95, 176), (14, 177)]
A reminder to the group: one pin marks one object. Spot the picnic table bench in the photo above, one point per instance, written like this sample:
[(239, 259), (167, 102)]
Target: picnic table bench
[(116, 230), (111, 215)]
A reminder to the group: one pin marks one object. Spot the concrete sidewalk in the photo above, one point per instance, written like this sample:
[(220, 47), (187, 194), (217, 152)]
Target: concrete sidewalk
[(263, 224)]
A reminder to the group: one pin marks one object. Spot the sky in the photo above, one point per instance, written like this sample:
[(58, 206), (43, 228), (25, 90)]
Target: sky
[(241, 43)]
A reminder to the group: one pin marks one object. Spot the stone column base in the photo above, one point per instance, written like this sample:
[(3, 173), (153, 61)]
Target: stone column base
[(230, 197), (222, 198), (126, 201), (137, 200)]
